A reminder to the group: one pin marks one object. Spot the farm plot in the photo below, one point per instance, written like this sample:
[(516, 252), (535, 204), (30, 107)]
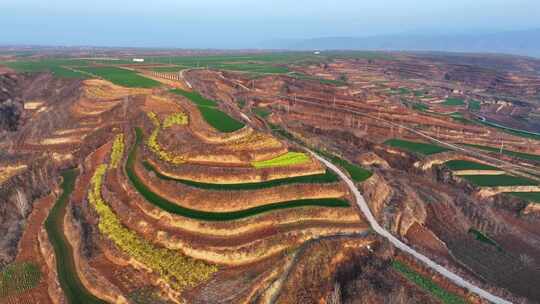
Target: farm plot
[(451, 102), (357, 173), (67, 274), (171, 207), (121, 77), (415, 147), (211, 114), (59, 67), (516, 154), (287, 159), (18, 277), (460, 165), (327, 177), (533, 197), (427, 284), (499, 180)]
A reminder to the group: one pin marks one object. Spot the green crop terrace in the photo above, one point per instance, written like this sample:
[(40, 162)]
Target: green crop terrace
[(458, 165), (415, 147), (171, 207), (210, 112), (67, 274)]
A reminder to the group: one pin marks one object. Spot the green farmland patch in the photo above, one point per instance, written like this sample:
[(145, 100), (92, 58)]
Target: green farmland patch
[(459, 165), (516, 132), (287, 159), (415, 147), (220, 120), (474, 105), (498, 180), (516, 154), (427, 284), (196, 98), (453, 102), (211, 114), (59, 68), (121, 77), (171, 207), (67, 274)]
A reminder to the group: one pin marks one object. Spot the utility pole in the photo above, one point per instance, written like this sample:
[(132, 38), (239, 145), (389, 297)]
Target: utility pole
[(502, 145)]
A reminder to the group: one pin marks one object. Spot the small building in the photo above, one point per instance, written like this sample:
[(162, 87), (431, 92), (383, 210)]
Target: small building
[(138, 59)]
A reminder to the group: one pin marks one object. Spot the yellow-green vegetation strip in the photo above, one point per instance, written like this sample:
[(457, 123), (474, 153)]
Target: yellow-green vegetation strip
[(287, 159), (178, 270), (18, 277), (427, 284), (117, 150), (154, 145), (180, 119)]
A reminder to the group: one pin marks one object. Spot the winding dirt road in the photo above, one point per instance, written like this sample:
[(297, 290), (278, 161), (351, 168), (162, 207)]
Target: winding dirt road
[(360, 201)]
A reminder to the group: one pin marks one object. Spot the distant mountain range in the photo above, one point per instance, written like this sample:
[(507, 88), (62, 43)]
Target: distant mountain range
[(526, 42)]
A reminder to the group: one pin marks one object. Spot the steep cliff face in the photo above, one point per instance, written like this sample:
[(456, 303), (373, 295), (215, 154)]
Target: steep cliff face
[(17, 196), (11, 104)]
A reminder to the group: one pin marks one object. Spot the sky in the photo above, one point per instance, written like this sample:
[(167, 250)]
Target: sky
[(245, 24)]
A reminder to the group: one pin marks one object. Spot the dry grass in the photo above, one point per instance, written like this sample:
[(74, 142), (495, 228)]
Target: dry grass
[(104, 90), (10, 171)]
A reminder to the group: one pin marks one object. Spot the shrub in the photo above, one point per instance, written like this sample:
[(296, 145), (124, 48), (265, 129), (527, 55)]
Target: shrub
[(117, 150)]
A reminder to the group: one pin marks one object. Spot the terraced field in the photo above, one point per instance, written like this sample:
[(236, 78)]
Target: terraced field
[(213, 116), (212, 216), (499, 180), (121, 77), (453, 102), (533, 197), (427, 284), (288, 159), (178, 201), (415, 147), (525, 156), (327, 177), (67, 274), (458, 165)]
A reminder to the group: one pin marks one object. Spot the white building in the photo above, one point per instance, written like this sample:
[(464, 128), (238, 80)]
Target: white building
[(138, 59)]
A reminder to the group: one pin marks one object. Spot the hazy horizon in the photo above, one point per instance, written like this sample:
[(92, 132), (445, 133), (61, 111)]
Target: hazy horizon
[(244, 24)]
